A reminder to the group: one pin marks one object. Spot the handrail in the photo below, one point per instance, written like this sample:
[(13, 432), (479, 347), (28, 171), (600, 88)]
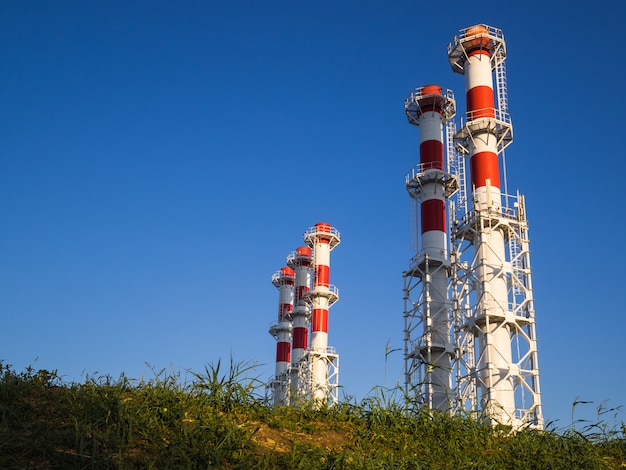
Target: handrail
[(314, 230), (277, 327), (511, 207), (415, 261), (326, 350), (331, 288), (492, 32), (279, 276), (418, 93), (422, 168), (276, 323), (488, 113), (412, 107)]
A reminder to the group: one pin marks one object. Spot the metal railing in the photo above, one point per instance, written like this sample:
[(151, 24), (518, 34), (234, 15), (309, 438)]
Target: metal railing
[(500, 116), (279, 276), (413, 110), (511, 207), (323, 230), (425, 254), (421, 168)]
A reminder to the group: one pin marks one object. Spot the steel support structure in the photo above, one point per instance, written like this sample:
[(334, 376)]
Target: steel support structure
[(470, 343), (497, 374)]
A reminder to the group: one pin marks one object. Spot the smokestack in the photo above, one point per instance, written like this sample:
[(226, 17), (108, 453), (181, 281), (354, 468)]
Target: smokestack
[(496, 333), (300, 261), (322, 238), (281, 331), (495, 355), (430, 356)]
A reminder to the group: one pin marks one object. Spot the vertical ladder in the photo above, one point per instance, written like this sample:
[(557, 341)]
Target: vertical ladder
[(456, 166), (516, 260), (503, 101)]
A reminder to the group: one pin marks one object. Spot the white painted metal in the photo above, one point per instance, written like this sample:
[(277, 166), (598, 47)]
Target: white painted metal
[(323, 375), (313, 373), (323, 365), (428, 348), (497, 375), (281, 331), (300, 262)]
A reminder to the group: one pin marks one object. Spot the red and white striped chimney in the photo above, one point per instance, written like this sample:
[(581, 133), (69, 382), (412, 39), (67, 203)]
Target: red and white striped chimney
[(323, 239), (433, 200), (284, 281), (484, 170), (428, 108), (300, 261), (474, 57)]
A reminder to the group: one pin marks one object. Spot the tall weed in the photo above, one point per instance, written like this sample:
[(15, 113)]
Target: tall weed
[(219, 418)]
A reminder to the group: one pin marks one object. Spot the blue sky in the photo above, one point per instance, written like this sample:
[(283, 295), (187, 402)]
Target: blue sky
[(160, 160)]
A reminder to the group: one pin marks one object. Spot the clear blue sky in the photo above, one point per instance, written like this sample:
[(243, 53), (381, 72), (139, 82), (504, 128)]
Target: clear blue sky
[(160, 160)]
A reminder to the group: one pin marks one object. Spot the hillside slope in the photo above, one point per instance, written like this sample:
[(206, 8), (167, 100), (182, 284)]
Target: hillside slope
[(218, 420)]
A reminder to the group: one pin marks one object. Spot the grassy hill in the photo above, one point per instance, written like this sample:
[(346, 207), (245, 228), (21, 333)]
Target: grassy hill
[(220, 419)]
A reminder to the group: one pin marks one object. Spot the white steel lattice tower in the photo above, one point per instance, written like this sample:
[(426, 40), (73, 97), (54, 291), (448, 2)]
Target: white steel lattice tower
[(323, 360), (428, 347), (497, 372), (280, 386), (300, 261)]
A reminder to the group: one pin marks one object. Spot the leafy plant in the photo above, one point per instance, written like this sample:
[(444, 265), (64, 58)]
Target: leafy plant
[(220, 418)]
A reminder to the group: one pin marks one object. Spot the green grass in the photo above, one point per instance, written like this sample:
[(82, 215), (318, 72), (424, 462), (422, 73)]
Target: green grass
[(220, 418)]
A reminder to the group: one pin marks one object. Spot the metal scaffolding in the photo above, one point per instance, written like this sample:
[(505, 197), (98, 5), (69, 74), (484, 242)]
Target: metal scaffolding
[(490, 343)]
